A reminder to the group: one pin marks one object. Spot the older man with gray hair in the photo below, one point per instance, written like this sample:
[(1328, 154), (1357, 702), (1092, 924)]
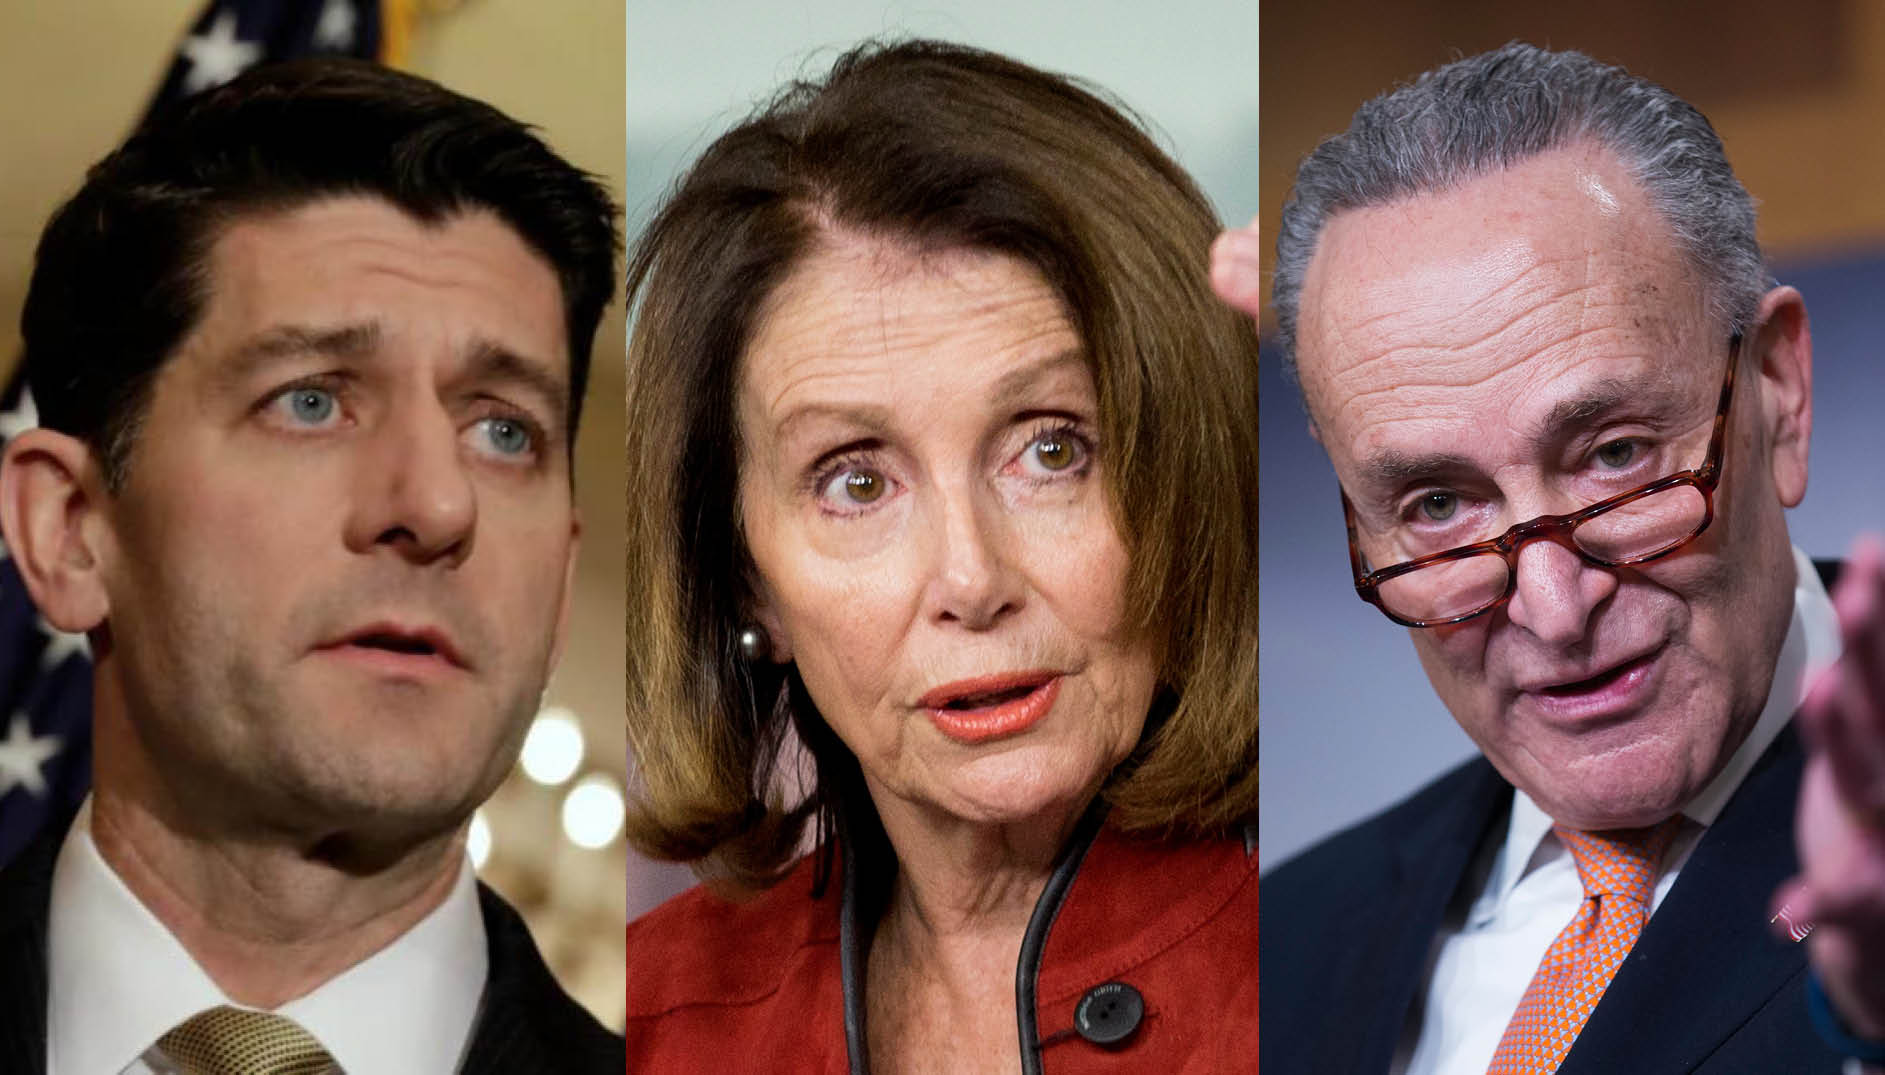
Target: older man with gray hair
[(1568, 406)]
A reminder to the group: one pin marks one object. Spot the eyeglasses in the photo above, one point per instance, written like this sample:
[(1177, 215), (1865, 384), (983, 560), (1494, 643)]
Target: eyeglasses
[(1630, 528)]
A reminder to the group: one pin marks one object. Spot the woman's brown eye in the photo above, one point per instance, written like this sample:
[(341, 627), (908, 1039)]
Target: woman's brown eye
[(863, 486), (1055, 453)]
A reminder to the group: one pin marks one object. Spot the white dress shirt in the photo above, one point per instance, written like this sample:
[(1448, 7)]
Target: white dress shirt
[(118, 980), (1481, 965)]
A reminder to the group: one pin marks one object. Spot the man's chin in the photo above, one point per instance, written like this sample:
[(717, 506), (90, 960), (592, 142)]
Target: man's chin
[(1618, 780), (1612, 793)]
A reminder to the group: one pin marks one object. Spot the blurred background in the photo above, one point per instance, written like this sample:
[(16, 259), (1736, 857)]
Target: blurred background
[(1797, 93), (1187, 67), (77, 76)]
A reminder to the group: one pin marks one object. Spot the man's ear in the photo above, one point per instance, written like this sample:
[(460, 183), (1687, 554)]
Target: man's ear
[(51, 494), (1784, 347)]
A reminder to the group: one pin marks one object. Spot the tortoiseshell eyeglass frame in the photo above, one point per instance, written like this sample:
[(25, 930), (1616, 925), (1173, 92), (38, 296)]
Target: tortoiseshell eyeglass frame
[(1556, 527)]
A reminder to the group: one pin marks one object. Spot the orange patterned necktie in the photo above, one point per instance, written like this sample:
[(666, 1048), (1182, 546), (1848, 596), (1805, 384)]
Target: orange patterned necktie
[(1618, 869)]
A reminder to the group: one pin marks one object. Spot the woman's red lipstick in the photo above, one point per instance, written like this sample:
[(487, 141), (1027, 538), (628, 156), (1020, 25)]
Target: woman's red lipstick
[(990, 707)]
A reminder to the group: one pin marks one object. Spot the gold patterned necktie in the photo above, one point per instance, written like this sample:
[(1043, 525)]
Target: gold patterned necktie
[(235, 1041), (1618, 871)]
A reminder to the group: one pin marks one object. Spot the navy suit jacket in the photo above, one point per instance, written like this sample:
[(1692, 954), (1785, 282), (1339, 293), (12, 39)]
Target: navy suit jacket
[(526, 1023), (1349, 926)]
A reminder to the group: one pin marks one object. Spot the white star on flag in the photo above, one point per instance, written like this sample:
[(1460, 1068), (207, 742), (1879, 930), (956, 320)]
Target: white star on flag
[(21, 755), (59, 646), (23, 416), (335, 29), (217, 55)]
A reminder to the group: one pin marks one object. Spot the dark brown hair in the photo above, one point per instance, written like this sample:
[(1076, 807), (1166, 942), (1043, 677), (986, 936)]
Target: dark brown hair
[(943, 147), (120, 276)]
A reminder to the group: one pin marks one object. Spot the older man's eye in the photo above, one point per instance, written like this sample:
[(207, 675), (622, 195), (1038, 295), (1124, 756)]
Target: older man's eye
[(1618, 454), (308, 406), (1438, 507)]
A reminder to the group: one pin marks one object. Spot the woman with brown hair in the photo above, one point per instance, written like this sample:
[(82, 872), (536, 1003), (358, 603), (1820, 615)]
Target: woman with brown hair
[(942, 614)]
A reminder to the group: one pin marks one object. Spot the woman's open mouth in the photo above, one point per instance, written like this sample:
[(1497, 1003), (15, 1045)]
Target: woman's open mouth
[(990, 707)]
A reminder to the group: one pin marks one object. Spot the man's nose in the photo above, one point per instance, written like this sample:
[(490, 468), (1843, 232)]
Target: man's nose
[(973, 581), (413, 492), (1557, 592)]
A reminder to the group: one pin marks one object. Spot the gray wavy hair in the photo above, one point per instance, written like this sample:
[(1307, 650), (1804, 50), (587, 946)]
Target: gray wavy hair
[(1496, 109)]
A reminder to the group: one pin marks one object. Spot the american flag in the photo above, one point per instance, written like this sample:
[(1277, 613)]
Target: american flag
[(46, 675)]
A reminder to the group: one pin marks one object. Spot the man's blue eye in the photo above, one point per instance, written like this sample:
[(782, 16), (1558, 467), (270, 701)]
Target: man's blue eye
[(310, 406), (506, 436)]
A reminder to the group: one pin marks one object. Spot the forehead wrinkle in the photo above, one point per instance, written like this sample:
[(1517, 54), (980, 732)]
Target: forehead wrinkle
[(899, 331), (1512, 341), (1438, 374)]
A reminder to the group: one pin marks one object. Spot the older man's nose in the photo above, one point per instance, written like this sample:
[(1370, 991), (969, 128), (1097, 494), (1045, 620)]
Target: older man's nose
[(413, 493), (973, 582), (1557, 592)]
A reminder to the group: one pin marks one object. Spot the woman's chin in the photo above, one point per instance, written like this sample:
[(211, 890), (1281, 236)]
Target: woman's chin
[(1013, 786)]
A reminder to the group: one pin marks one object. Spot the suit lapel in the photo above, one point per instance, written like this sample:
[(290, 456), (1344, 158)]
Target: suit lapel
[(501, 1039), (526, 1023), (25, 897), (1396, 927), (1706, 962)]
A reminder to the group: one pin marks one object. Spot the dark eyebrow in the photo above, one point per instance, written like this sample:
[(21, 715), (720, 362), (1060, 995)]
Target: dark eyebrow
[(1392, 467), (292, 341), (492, 361)]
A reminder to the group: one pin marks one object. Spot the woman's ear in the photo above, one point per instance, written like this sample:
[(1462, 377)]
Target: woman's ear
[(49, 499), (761, 609)]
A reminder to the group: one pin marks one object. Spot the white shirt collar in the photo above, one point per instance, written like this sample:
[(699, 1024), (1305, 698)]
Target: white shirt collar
[(1812, 645), (118, 980)]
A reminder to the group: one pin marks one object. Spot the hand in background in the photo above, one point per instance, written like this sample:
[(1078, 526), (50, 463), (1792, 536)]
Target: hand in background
[(1840, 824), (1236, 269)]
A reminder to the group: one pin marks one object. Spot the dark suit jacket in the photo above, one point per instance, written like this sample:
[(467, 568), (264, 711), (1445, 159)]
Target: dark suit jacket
[(526, 1023), (1349, 926)]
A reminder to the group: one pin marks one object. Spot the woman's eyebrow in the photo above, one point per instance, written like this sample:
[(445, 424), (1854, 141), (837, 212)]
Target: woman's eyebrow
[(871, 417), (1022, 378)]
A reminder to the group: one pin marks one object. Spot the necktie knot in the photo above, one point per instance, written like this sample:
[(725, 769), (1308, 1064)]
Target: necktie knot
[(1618, 869), (236, 1041), (1620, 862)]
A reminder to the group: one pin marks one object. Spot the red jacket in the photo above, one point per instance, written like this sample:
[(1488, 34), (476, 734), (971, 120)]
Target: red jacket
[(761, 986)]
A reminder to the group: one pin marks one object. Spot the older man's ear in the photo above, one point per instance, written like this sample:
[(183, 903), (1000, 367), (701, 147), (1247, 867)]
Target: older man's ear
[(1786, 372), (1237, 269), (50, 492)]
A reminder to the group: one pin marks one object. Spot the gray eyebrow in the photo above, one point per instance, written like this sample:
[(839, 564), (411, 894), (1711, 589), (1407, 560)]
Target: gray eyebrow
[(1607, 395), (1602, 397)]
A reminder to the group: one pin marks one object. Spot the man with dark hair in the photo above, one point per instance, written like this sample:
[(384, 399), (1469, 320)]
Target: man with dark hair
[(309, 353), (1567, 407)]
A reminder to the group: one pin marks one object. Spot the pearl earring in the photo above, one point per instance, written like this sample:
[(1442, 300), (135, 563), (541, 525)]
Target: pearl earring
[(753, 643)]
